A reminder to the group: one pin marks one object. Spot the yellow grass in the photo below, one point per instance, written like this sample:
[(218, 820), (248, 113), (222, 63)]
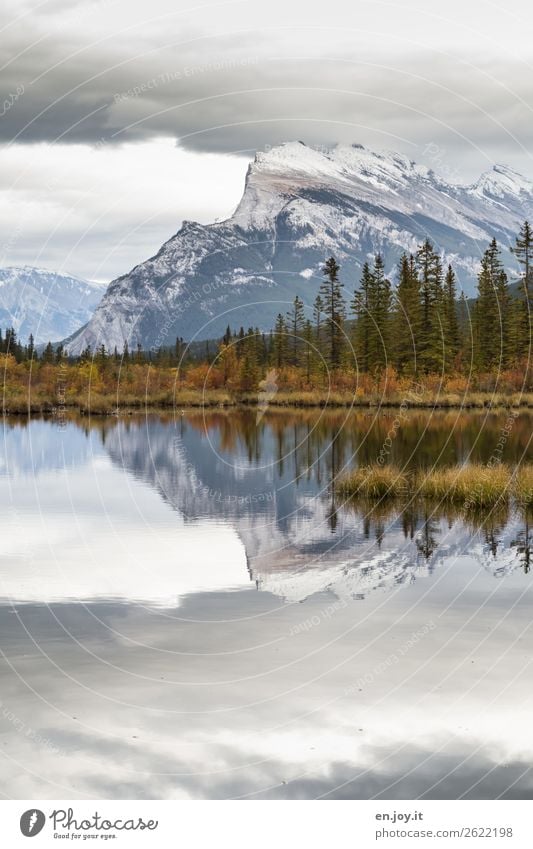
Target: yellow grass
[(471, 487), (374, 482), (523, 485)]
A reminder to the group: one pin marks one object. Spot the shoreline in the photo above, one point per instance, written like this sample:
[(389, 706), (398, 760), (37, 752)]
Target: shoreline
[(103, 406)]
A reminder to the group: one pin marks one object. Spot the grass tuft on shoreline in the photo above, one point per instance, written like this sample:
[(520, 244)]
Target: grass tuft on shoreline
[(471, 487), (523, 485), (374, 482)]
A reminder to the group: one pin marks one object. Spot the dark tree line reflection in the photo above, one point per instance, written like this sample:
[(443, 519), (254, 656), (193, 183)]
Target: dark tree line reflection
[(298, 456)]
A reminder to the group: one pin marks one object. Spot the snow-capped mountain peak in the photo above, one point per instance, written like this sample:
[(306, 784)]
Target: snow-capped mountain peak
[(299, 205), (45, 303), (500, 180)]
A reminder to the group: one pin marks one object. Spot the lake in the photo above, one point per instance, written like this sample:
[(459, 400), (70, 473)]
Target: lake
[(188, 610)]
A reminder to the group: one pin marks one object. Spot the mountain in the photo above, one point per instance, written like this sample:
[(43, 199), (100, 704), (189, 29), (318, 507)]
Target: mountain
[(45, 303), (300, 205)]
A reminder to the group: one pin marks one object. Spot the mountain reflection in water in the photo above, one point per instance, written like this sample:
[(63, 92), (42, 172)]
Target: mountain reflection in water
[(273, 482), (188, 610)]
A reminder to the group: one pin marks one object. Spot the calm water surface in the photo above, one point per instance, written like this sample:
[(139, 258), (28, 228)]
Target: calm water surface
[(188, 611)]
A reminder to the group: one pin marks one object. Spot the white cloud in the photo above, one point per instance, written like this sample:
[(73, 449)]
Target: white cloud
[(96, 211)]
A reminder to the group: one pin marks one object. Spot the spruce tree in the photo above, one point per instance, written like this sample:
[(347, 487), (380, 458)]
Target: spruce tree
[(48, 353), (519, 329), (318, 314), (492, 312), (31, 348), (407, 318), (451, 323), (334, 312), (485, 319), (431, 342), (295, 323), (380, 309), (360, 307), (239, 344), (521, 315), (280, 342), (523, 250), (309, 349), (249, 368)]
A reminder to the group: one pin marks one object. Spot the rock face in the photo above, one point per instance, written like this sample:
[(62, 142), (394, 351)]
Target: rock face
[(45, 303), (300, 205)]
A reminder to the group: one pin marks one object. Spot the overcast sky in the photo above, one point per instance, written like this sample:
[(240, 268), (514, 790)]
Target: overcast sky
[(119, 119)]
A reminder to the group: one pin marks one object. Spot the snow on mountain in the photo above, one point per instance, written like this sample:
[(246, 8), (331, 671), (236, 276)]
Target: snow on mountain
[(500, 182), (299, 205), (292, 550), (45, 303)]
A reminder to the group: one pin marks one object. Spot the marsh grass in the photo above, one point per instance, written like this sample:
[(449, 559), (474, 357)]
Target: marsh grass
[(374, 482), (523, 486), (137, 386), (472, 487)]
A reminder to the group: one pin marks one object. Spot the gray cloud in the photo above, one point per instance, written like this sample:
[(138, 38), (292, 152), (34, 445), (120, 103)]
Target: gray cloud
[(449, 87), (241, 91)]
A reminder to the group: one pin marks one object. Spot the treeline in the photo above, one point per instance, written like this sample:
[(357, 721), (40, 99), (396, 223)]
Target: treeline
[(418, 327), (55, 354), (367, 345)]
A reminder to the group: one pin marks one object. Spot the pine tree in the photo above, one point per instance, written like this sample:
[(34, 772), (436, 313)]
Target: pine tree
[(521, 315), (492, 312), (295, 323), (179, 349), (360, 307), (262, 347), (380, 304), (31, 348), (451, 323), (519, 329), (334, 312), (280, 342), (309, 349), (407, 318), (523, 250), (12, 345), (239, 343), (318, 313), (431, 343), (503, 297), (48, 353), (249, 371)]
